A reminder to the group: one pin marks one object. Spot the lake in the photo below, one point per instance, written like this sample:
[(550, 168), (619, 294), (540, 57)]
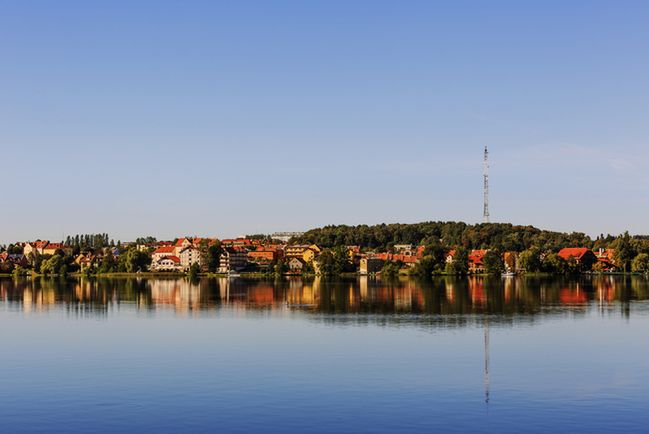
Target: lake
[(360, 355)]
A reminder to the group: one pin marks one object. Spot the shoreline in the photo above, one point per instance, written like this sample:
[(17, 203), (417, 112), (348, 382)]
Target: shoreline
[(256, 275)]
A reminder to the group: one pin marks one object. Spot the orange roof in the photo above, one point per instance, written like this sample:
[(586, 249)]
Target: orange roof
[(573, 252), (476, 256), (55, 246), (180, 241), (394, 257), (165, 249)]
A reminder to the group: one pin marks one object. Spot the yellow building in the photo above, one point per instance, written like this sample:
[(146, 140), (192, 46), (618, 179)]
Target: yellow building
[(305, 252)]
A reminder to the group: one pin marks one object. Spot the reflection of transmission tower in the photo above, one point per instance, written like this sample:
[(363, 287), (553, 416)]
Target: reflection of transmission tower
[(485, 174), (486, 361)]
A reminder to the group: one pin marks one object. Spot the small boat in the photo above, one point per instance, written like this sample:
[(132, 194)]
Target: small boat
[(508, 274), (231, 274)]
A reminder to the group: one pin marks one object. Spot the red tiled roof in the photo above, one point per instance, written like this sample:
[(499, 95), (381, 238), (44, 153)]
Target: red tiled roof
[(476, 256), (394, 257), (180, 241), (165, 249), (55, 246), (573, 252)]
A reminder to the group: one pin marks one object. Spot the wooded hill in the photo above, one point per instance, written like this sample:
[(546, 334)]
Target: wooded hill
[(501, 236)]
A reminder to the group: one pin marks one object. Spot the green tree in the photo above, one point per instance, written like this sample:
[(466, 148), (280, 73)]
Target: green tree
[(390, 269), (640, 263), (280, 267), (425, 267), (108, 263), (327, 263), (553, 263), (493, 262), (133, 261), (52, 265), (460, 264), (194, 271), (342, 263), (18, 271), (213, 256), (437, 252), (624, 252), (530, 260)]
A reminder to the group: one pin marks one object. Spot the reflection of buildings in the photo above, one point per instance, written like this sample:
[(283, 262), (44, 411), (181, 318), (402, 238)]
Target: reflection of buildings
[(436, 300), (477, 290), (183, 295)]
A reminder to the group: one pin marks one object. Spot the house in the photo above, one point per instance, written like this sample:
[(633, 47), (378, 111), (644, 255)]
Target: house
[(296, 265), (606, 259), (14, 258), (52, 248), (370, 265), (162, 252), (450, 256), (510, 259), (181, 243), (476, 264), (285, 237), (238, 242), (410, 260), (306, 252), (265, 255), (35, 247), (167, 263), (583, 256), (353, 252), (189, 256), (403, 247), (232, 260), (85, 261)]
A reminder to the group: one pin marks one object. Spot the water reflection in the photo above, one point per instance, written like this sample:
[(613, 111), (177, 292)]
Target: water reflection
[(447, 297)]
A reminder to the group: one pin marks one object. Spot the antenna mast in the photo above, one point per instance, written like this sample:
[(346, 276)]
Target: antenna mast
[(485, 174)]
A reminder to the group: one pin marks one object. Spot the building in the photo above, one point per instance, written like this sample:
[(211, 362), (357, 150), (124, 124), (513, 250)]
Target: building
[(239, 242), (584, 257), (35, 247), (14, 258), (265, 255), (162, 252), (52, 248), (232, 260), (296, 265), (606, 259), (285, 237), (403, 248), (189, 256), (370, 265), (410, 259), (306, 252), (181, 243), (510, 260), (476, 261), (85, 261), (167, 263)]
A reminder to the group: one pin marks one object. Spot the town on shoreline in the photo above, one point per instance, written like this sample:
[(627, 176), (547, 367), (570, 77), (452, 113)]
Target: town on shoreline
[(421, 249)]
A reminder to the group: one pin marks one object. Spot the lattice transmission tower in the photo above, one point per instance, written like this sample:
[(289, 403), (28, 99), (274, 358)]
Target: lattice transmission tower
[(485, 174)]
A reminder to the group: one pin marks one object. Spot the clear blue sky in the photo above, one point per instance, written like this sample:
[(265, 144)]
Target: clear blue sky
[(224, 118)]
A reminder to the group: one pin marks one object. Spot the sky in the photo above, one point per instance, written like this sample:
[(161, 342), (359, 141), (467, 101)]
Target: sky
[(209, 118)]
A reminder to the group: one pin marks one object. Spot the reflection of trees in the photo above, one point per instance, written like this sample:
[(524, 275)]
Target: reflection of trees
[(449, 300)]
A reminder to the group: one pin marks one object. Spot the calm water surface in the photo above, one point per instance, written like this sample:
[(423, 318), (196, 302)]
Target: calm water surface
[(470, 355)]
